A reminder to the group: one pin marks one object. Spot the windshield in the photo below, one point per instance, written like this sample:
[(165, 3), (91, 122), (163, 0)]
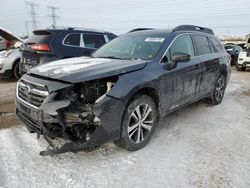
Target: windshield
[(131, 47)]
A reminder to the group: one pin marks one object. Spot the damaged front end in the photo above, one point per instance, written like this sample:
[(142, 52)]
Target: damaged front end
[(71, 117)]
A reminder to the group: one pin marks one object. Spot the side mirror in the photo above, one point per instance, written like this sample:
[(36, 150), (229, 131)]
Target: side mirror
[(180, 57)]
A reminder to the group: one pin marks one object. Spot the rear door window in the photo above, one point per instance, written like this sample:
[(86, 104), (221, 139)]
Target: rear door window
[(216, 44), (201, 45), (72, 39), (213, 49), (93, 40)]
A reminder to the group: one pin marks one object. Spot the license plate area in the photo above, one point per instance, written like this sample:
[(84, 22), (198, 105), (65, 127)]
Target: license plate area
[(30, 58), (32, 114)]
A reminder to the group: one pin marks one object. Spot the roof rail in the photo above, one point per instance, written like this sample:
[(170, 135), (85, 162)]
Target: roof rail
[(139, 29), (79, 28), (194, 28), (87, 29)]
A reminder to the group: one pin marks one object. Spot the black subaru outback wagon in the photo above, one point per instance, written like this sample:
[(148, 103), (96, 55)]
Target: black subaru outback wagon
[(123, 89), (53, 44)]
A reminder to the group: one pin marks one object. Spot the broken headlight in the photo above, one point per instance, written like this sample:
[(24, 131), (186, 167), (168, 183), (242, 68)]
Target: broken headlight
[(94, 91)]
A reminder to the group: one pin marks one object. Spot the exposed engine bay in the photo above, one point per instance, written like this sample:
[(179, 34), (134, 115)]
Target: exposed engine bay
[(69, 116)]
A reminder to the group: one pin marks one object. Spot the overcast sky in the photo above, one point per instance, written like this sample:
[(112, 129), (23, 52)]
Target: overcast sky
[(225, 17)]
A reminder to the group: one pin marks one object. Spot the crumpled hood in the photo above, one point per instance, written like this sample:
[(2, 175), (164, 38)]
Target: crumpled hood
[(85, 68)]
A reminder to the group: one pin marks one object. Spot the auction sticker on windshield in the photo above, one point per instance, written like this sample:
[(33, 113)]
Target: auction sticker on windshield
[(154, 39)]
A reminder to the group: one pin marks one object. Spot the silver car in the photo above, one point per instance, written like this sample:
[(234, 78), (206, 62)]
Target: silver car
[(10, 58)]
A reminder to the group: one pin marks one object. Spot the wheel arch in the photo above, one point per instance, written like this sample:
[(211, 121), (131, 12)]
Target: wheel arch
[(15, 62), (226, 72), (149, 91)]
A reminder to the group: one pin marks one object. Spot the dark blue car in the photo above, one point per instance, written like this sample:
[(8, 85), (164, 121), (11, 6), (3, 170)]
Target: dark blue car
[(121, 91), (54, 44)]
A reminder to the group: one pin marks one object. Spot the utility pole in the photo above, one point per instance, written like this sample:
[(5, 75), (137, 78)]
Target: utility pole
[(27, 29), (53, 14), (32, 13)]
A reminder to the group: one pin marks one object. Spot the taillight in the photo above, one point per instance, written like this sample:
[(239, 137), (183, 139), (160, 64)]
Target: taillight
[(40, 47)]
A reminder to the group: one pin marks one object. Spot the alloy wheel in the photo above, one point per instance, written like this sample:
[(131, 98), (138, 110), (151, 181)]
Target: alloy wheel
[(140, 123), (219, 89)]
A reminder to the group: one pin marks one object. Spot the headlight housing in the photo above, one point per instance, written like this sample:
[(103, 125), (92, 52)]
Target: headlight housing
[(94, 91)]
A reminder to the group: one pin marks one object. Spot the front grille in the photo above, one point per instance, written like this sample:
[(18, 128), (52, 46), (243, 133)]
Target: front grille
[(31, 93)]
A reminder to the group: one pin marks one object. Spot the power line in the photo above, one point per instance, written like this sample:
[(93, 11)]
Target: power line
[(53, 14), (32, 13)]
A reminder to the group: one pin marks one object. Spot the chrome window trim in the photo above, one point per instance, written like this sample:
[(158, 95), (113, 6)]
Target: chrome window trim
[(106, 38), (173, 42), (82, 43)]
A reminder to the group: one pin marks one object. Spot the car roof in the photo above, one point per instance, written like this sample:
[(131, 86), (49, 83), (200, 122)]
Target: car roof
[(159, 32), (73, 29), (179, 29), (163, 32)]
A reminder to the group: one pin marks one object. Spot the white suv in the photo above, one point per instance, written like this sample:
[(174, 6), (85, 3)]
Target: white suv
[(243, 60), (244, 56), (10, 58)]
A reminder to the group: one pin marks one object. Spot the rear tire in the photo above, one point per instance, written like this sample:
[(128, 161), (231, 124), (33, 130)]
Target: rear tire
[(219, 90), (240, 68), (15, 70), (138, 123)]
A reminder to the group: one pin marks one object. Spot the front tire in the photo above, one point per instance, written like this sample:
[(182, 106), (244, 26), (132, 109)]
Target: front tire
[(138, 123), (15, 70)]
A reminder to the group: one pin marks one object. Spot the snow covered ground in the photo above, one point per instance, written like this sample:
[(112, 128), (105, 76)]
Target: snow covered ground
[(198, 146)]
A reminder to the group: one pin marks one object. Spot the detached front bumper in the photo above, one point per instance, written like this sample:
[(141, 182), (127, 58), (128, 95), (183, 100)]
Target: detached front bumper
[(102, 123)]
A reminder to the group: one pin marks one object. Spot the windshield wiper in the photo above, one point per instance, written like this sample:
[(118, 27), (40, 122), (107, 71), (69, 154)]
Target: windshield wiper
[(112, 57)]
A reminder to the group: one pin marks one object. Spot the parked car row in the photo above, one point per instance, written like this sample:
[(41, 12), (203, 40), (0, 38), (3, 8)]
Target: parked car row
[(54, 44), (59, 43), (233, 50), (119, 93)]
